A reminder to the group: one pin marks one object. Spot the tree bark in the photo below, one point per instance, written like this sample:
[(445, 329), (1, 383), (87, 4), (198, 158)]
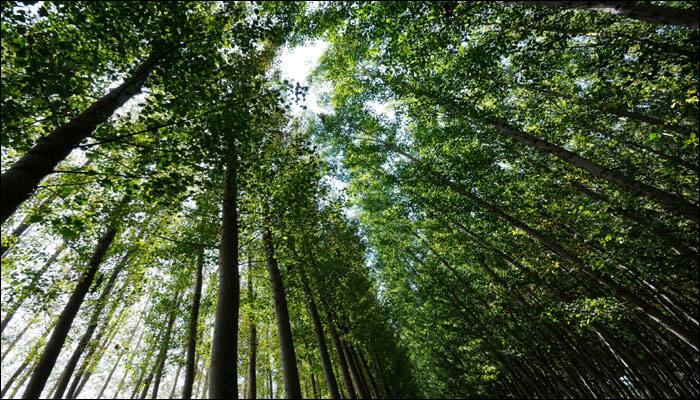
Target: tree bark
[(290, 372), (320, 338), (22, 179), (673, 203), (345, 372), (17, 338), (355, 370), (224, 349), (613, 288), (109, 377), (163, 352), (192, 339), (58, 337), (640, 11), (174, 387), (68, 369), (253, 339)]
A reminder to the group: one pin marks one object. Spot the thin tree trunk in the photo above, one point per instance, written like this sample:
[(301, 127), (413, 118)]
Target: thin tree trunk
[(290, 372), (23, 295), (89, 360), (313, 385), (355, 371), (372, 381), (611, 286), (163, 353), (645, 12), (320, 338), (17, 338), (253, 340), (13, 377), (58, 337), (69, 368), (174, 387), (109, 377), (344, 369), (22, 179), (192, 339), (672, 202), (224, 348)]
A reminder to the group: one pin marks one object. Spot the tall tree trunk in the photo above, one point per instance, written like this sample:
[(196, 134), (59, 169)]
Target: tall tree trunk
[(163, 352), (672, 202), (192, 338), (17, 338), (290, 372), (344, 369), (314, 390), (355, 371), (253, 339), (636, 303), (11, 380), (97, 347), (320, 337), (174, 387), (372, 381), (22, 179), (68, 369), (24, 294), (645, 12), (109, 377), (130, 358), (58, 337), (223, 371)]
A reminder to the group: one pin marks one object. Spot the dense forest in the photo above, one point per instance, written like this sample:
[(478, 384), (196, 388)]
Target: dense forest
[(460, 199)]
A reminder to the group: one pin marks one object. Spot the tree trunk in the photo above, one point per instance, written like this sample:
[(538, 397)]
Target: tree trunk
[(224, 349), (372, 381), (355, 371), (163, 353), (174, 387), (673, 203), (344, 369), (17, 338), (23, 295), (253, 340), (97, 346), (641, 11), (313, 386), (14, 376), (22, 179), (611, 286), (58, 337), (290, 373), (192, 339), (109, 377), (320, 338), (68, 369)]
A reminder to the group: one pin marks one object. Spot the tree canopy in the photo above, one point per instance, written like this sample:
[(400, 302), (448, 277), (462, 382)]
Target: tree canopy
[(462, 199)]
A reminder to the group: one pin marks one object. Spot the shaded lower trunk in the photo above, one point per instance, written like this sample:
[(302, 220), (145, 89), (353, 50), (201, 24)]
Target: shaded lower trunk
[(252, 341), (65, 321), (109, 377), (344, 368), (320, 338), (192, 338), (290, 372), (224, 348), (165, 345)]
